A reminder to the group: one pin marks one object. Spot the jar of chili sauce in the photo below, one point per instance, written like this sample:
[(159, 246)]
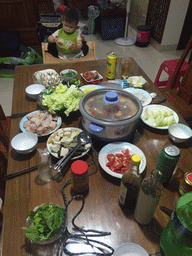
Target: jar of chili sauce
[(186, 184), (79, 177)]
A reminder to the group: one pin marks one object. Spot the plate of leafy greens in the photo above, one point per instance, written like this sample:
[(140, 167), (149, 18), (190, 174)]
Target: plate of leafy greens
[(44, 223), (61, 99)]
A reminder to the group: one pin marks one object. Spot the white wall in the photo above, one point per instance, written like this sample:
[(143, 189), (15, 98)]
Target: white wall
[(174, 23)]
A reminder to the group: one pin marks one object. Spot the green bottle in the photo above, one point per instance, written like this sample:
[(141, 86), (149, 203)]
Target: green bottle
[(176, 238)]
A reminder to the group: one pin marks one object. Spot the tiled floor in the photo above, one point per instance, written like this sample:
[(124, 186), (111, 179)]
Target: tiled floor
[(148, 58)]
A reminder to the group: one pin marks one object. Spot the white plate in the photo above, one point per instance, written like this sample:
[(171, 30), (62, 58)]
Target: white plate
[(158, 107), (117, 147), (59, 122), (56, 155), (96, 81), (142, 95), (90, 85), (130, 249), (133, 80)]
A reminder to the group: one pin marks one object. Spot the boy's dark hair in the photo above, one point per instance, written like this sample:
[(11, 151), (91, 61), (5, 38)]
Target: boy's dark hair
[(71, 14)]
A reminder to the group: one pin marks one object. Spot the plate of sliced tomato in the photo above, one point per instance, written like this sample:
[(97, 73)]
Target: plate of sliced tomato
[(115, 158)]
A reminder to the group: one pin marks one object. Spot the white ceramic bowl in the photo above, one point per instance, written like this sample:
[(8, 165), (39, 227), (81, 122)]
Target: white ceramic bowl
[(68, 84), (130, 249), (34, 90), (66, 79), (24, 142), (179, 132)]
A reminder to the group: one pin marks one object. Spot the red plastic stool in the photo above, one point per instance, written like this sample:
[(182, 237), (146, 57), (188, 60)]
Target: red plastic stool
[(169, 67)]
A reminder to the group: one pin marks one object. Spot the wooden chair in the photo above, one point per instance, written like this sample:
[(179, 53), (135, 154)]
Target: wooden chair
[(48, 58), (181, 97), (4, 132)]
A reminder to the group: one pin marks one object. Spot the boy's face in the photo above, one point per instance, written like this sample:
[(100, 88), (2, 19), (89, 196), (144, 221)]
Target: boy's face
[(68, 27)]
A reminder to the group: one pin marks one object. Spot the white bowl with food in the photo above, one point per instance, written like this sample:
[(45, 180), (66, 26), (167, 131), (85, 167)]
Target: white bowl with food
[(68, 74), (24, 142), (74, 81), (179, 132), (34, 90)]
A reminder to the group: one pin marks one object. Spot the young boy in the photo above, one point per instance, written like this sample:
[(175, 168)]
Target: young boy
[(71, 47)]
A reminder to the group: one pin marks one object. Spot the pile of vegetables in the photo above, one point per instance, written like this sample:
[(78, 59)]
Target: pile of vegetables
[(159, 117), (62, 98), (45, 222)]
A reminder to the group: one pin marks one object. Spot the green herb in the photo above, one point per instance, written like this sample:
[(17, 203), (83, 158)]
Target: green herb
[(70, 73), (45, 222)]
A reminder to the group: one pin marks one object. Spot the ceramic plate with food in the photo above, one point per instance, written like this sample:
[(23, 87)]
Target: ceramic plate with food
[(40, 122), (159, 116), (91, 77), (63, 140), (136, 81), (90, 87), (125, 148), (142, 95)]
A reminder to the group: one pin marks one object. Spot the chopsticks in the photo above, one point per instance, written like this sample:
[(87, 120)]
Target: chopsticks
[(16, 174), (20, 114)]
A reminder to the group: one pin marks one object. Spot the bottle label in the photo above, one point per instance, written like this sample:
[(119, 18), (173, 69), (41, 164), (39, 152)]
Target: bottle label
[(122, 194)]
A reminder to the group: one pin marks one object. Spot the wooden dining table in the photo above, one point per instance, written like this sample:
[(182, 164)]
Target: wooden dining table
[(101, 210)]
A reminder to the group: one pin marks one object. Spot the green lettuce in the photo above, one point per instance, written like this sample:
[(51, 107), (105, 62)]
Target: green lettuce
[(63, 99)]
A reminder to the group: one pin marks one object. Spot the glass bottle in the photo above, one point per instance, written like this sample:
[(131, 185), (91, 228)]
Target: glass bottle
[(130, 184), (148, 198)]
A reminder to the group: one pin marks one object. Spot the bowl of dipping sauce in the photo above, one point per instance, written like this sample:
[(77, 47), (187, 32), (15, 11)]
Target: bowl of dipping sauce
[(179, 133), (34, 90)]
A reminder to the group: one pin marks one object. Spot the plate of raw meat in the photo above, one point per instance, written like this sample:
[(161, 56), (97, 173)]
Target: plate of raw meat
[(40, 122)]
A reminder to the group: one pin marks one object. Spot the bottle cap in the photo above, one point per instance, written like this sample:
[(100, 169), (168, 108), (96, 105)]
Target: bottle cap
[(79, 167), (135, 160)]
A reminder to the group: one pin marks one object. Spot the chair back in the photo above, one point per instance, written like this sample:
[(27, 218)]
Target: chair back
[(181, 61)]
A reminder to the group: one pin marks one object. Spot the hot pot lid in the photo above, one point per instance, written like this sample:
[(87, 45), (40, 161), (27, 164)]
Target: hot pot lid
[(111, 105)]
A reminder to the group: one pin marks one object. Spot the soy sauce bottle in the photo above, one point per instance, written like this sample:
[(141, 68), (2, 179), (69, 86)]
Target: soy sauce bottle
[(130, 184)]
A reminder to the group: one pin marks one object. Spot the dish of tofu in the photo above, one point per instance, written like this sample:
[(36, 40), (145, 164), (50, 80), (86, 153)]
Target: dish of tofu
[(63, 140), (40, 122)]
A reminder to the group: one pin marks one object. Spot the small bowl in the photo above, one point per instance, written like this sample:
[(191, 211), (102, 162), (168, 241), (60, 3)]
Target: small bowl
[(68, 83), (34, 90), (24, 142), (66, 79), (130, 249), (179, 132)]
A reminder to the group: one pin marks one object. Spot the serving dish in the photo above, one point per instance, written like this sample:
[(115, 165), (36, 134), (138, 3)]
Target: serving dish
[(94, 81), (130, 249), (110, 114), (25, 118), (136, 81), (90, 87), (141, 94), (25, 142), (63, 134), (117, 147), (153, 108), (47, 77), (179, 133), (34, 90), (67, 78)]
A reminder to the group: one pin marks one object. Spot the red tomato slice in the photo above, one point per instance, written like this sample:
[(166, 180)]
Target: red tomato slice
[(118, 164), (125, 152), (119, 155), (110, 157)]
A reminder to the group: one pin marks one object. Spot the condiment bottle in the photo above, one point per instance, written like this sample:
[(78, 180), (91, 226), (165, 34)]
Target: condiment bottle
[(186, 184), (79, 177), (130, 184), (148, 198)]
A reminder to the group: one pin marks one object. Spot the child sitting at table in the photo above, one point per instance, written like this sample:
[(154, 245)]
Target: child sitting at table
[(68, 38)]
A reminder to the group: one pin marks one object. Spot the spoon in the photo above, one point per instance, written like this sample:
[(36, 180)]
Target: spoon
[(82, 139)]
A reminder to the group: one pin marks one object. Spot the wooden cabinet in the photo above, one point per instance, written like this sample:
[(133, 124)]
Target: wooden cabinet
[(22, 16)]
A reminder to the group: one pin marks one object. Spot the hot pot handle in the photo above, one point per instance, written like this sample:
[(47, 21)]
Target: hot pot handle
[(96, 128)]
